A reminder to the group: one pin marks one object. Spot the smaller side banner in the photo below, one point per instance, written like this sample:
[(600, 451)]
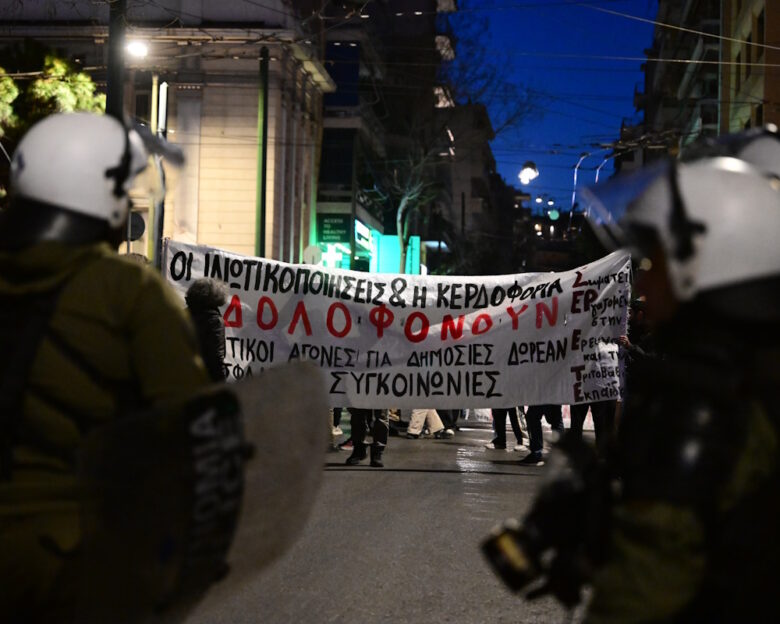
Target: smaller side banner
[(411, 341)]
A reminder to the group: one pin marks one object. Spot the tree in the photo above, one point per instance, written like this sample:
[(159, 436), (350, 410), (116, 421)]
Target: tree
[(414, 174), (45, 83), (406, 187), (61, 88), (8, 93), (477, 72)]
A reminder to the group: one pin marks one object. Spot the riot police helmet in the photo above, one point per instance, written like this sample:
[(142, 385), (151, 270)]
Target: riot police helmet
[(71, 177), (709, 224)]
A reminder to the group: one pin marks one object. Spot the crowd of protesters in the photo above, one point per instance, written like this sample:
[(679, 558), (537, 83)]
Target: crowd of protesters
[(525, 421)]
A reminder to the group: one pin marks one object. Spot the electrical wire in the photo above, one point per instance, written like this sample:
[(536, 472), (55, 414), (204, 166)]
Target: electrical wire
[(682, 28), (547, 110), (586, 5)]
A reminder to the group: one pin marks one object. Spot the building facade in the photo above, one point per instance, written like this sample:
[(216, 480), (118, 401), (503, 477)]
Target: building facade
[(202, 69), (711, 70), (681, 99), (749, 85), (380, 134)]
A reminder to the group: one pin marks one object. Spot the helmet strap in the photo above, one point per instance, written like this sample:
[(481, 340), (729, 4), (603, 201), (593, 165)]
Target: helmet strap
[(27, 221), (121, 172), (681, 227)]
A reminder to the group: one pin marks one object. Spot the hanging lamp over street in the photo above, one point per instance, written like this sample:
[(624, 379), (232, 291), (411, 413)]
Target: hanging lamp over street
[(528, 172)]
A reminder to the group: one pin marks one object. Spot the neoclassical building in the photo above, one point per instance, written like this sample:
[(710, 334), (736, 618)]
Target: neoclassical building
[(201, 80)]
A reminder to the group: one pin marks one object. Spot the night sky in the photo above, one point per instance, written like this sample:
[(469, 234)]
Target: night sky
[(576, 100)]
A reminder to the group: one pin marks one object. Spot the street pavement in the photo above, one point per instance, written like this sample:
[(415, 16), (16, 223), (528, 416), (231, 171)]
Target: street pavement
[(397, 544)]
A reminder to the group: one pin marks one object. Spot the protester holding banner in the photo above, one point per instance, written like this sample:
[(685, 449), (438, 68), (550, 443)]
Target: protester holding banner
[(636, 346), (500, 415), (533, 418), (204, 298), (450, 418), (359, 420), (428, 418), (603, 414)]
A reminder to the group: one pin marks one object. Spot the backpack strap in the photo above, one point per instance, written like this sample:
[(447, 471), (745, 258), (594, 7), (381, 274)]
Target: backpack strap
[(23, 323)]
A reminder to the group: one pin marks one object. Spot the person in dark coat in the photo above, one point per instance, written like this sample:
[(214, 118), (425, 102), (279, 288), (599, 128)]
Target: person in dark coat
[(84, 333), (204, 297)]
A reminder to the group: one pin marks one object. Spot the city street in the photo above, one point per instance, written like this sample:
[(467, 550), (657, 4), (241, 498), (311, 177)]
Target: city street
[(399, 544), (220, 219)]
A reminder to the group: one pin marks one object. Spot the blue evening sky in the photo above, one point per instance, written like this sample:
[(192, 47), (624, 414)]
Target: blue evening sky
[(579, 101)]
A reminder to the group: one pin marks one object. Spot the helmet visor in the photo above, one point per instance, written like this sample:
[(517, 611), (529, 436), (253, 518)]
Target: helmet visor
[(148, 151), (606, 205), (148, 184), (157, 145)]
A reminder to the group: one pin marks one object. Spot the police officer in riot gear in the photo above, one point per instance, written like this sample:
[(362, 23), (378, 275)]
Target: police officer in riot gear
[(87, 338), (123, 471), (679, 525)]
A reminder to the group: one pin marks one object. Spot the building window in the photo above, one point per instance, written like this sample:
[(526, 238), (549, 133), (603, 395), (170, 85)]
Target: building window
[(710, 88), (738, 72), (443, 98), (143, 106), (760, 36), (709, 115)]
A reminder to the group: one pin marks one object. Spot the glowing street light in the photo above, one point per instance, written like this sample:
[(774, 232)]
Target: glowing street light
[(137, 49), (528, 172)]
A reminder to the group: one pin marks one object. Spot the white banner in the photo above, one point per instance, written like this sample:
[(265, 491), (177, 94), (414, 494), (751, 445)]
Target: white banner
[(411, 341)]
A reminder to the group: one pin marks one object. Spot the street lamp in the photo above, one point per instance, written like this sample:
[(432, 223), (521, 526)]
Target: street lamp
[(137, 49), (528, 172), (583, 156), (614, 154)]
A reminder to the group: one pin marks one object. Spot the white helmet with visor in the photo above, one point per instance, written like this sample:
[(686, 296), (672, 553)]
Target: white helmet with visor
[(716, 219), (72, 165)]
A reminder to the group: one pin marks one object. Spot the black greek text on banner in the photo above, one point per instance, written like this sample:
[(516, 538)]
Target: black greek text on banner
[(412, 341)]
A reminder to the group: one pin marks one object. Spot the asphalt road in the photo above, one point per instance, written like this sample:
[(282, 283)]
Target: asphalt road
[(398, 544)]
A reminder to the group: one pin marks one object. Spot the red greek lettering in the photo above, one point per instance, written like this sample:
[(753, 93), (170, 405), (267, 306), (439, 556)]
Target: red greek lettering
[(347, 320), (448, 325), (483, 319), (542, 310), (234, 310), (300, 315), (515, 314), (261, 305), (589, 297), (423, 331), (381, 318)]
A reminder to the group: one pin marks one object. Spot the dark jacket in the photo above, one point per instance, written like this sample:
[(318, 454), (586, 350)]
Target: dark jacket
[(204, 297), (116, 339)]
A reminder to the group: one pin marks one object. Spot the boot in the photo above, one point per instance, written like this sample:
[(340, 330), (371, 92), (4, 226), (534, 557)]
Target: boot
[(376, 456), (358, 454)]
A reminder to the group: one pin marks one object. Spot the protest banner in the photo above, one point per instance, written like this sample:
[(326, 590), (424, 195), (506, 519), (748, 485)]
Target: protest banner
[(412, 341)]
